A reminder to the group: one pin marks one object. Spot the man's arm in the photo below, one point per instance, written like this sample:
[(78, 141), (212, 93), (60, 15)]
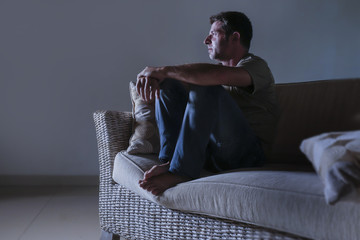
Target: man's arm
[(199, 73)]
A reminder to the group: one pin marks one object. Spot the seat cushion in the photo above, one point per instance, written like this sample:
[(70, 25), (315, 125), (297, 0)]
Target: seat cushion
[(290, 201)]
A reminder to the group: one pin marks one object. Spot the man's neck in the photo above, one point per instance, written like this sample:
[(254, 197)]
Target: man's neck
[(232, 62)]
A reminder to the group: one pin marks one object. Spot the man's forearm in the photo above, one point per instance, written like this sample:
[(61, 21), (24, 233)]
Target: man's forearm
[(207, 74), (204, 74)]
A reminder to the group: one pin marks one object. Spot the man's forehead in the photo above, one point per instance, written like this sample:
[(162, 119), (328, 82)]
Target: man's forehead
[(217, 27)]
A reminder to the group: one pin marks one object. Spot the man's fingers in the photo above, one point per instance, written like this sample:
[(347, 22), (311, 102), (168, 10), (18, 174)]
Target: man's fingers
[(142, 89), (152, 94), (138, 85), (153, 90), (147, 89), (156, 89)]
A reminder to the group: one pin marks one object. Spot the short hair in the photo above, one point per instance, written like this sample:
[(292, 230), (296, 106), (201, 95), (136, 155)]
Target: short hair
[(235, 22)]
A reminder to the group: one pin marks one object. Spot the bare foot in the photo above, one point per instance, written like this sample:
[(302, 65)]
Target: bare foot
[(156, 170), (158, 184)]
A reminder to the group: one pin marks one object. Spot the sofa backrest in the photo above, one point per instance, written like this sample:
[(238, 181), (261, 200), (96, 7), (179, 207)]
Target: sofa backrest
[(311, 108)]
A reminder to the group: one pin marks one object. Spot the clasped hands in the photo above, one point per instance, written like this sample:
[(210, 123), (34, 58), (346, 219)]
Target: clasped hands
[(148, 83)]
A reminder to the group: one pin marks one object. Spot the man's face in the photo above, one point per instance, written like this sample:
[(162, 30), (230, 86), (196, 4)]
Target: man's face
[(218, 45)]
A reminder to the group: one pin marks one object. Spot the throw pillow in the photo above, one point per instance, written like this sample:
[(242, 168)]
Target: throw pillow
[(336, 159), (145, 138)]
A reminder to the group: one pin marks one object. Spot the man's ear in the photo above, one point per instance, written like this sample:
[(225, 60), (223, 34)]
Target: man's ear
[(236, 36)]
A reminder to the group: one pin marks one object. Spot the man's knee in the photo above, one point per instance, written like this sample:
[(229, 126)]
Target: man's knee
[(171, 86), (169, 82), (207, 94)]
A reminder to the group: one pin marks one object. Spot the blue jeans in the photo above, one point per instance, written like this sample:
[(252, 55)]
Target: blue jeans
[(203, 126)]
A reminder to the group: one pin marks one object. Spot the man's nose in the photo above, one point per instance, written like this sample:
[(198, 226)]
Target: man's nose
[(207, 40)]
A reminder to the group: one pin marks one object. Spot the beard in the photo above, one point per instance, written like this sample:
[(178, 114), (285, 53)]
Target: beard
[(217, 55), (219, 51)]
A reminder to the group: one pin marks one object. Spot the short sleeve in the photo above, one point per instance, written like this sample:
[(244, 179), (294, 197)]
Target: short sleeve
[(259, 72)]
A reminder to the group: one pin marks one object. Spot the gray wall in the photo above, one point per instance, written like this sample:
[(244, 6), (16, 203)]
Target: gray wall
[(62, 60)]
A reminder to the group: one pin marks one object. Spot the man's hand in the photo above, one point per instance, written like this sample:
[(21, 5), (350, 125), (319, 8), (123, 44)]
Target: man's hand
[(147, 84), (148, 88)]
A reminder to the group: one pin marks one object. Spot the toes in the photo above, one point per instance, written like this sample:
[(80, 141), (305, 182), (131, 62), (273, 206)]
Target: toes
[(158, 184), (149, 173), (148, 185), (151, 187), (157, 191), (144, 184)]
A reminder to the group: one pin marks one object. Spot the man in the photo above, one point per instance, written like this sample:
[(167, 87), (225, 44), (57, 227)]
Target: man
[(219, 116)]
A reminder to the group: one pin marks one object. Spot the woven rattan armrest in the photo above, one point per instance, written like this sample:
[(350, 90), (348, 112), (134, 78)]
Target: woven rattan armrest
[(113, 131)]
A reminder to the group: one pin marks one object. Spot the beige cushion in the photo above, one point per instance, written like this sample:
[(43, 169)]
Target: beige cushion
[(145, 138), (290, 201), (336, 158)]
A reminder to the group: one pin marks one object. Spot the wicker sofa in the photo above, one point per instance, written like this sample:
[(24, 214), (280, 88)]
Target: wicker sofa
[(283, 200)]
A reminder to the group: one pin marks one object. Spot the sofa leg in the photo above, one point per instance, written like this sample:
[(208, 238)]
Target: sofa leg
[(108, 236)]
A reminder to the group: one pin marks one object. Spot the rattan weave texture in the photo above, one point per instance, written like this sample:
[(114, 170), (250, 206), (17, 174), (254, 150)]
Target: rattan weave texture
[(125, 213)]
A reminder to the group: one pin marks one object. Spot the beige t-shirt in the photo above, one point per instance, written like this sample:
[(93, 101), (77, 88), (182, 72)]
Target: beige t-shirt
[(258, 102)]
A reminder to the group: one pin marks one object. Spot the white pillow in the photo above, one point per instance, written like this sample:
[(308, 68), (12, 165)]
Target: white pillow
[(145, 138), (336, 159)]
